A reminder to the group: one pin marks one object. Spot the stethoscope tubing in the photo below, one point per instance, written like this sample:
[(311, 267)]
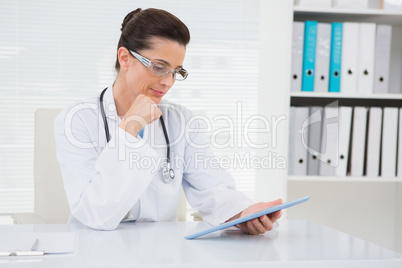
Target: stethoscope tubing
[(104, 115), (107, 132)]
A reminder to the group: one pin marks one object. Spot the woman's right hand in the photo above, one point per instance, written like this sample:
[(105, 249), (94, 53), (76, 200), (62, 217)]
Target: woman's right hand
[(143, 111)]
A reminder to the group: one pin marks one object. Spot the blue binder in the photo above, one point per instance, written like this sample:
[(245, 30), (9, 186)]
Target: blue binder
[(335, 57), (310, 39)]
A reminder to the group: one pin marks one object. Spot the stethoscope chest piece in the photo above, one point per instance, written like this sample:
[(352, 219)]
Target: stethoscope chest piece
[(167, 173)]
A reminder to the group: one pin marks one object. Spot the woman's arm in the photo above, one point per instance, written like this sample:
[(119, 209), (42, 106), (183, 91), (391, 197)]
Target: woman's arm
[(100, 185)]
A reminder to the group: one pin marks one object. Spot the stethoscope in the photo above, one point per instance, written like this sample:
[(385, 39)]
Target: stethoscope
[(167, 171)]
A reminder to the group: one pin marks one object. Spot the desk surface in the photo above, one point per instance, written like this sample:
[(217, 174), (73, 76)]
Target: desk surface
[(296, 243)]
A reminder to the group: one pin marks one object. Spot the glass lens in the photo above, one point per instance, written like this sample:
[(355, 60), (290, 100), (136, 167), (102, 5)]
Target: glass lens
[(181, 74), (163, 70), (160, 69)]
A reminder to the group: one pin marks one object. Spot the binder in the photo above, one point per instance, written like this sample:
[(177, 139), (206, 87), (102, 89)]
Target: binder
[(297, 150), (358, 140), (374, 142), (382, 58), (322, 57), (335, 57), (350, 46), (391, 5), (310, 36), (399, 164), (345, 122), (314, 140), (389, 142), (365, 75), (329, 141), (395, 79), (292, 167), (297, 56)]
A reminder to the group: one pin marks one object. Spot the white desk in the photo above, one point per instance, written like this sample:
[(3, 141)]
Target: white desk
[(293, 244)]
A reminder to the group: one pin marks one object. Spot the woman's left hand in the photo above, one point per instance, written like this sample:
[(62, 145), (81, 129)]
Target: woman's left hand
[(262, 224)]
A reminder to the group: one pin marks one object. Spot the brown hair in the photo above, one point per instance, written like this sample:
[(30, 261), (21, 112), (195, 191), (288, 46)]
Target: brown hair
[(139, 26)]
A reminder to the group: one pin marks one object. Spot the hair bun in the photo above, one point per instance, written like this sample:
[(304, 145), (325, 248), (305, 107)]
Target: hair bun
[(128, 17)]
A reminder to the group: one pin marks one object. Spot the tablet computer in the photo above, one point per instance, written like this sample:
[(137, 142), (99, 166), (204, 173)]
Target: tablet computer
[(248, 217)]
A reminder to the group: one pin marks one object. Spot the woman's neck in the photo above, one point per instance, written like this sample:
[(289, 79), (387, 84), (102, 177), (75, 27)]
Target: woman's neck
[(123, 98)]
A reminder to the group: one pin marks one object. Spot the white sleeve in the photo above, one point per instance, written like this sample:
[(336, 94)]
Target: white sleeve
[(101, 187), (209, 189)]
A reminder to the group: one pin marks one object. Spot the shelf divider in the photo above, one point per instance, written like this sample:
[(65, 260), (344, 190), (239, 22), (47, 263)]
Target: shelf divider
[(379, 16), (345, 179), (323, 99)]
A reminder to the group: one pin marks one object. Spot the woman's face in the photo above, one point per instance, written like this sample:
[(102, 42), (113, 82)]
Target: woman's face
[(141, 80)]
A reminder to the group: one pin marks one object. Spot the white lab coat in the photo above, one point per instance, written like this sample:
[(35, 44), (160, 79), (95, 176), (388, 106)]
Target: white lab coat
[(107, 183)]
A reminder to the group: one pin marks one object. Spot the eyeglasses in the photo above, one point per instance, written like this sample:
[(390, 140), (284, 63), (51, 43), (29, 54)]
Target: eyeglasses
[(160, 68)]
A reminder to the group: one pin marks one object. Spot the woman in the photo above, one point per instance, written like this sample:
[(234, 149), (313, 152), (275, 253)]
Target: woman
[(115, 166)]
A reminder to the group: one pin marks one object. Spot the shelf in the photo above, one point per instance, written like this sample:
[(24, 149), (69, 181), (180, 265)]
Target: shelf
[(323, 99), (340, 11), (344, 179), (379, 16), (335, 95)]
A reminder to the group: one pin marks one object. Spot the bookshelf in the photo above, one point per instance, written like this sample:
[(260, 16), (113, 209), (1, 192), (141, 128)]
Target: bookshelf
[(356, 205)]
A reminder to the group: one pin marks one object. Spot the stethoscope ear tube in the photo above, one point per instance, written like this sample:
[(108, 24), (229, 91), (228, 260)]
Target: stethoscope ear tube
[(167, 172)]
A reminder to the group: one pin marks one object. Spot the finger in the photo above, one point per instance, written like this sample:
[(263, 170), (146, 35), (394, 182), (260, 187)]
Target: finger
[(251, 228), (266, 222), (158, 112), (259, 226), (155, 114), (243, 227), (275, 215)]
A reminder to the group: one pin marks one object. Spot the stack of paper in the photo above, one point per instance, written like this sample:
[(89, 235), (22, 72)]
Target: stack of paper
[(20, 244)]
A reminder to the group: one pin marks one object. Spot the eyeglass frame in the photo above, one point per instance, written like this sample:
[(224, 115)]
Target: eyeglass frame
[(148, 63)]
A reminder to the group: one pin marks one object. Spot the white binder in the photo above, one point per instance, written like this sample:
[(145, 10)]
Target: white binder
[(382, 58), (399, 167), (297, 151), (374, 142), (358, 140), (345, 122), (297, 56), (329, 142), (322, 52), (365, 74), (292, 141), (395, 79), (350, 47), (314, 140), (389, 142)]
